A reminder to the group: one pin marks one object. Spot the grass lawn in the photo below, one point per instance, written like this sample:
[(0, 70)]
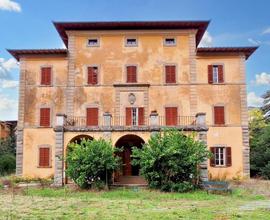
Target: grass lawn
[(129, 204)]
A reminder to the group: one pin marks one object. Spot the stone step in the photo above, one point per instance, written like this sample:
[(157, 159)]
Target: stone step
[(131, 180)]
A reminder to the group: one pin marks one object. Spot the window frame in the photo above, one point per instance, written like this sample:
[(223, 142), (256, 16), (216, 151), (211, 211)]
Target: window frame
[(126, 73), (50, 121), (225, 115), (98, 74), (98, 113), (164, 73), (93, 38), (40, 76), (169, 45), (177, 114), (50, 156), (224, 153), (131, 45)]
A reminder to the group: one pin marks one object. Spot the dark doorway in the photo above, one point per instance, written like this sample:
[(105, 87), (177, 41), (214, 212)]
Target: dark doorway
[(127, 142)]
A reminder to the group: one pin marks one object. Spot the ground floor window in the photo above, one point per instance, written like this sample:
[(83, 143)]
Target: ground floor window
[(44, 156), (222, 156)]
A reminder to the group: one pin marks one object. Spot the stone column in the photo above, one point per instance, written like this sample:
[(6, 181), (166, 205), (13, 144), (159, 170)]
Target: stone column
[(59, 150), (203, 165), (20, 125), (154, 122), (107, 123), (201, 123)]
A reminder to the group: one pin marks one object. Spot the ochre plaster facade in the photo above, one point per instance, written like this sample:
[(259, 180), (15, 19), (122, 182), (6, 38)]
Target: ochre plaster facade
[(191, 94)]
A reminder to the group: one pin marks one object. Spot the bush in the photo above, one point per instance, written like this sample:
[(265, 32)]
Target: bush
[(7, 164), (90, 164), (260, 153), (169, 161)]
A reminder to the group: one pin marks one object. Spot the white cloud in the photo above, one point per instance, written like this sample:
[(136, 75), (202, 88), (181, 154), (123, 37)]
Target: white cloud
[(6, 66), (10, 5), (266, 31), (8, 108), (253, 41), (207, 40), (254, 100), (262, 79), (9, 84)]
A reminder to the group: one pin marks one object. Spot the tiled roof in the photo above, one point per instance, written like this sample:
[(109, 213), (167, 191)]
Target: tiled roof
[(247, 51), (201, 26), (18, 53)]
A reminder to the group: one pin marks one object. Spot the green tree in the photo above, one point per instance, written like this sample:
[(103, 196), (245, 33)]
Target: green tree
[(260, 153), (256, 121), (169, 160), (7, 155), (266, 105), (91, 163)]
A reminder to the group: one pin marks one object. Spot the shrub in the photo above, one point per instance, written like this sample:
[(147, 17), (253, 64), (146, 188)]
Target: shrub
[(91, 163), (169, 161), (7, 164)]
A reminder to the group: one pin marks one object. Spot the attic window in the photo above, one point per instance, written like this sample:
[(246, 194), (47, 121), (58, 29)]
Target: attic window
[(170, 41), (93, 42), (131, 42)]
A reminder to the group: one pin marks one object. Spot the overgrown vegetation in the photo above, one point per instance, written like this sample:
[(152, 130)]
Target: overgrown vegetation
[(130, 204), (169, 161), (91, 163), (7, 155), (259, 128)]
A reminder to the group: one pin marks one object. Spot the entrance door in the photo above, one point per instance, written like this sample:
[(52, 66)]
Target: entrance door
[(127, 168)]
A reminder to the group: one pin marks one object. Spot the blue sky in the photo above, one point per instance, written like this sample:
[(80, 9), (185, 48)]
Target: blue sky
[(28, 24)]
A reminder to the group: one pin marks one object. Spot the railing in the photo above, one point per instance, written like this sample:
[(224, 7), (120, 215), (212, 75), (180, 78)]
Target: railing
[(120, 121), (178, 121)]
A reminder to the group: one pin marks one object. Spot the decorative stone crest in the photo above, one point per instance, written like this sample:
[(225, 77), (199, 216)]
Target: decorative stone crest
[(131, 98)]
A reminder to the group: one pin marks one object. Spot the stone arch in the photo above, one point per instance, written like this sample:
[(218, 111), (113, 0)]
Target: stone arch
[(127, 142), (79, 138)]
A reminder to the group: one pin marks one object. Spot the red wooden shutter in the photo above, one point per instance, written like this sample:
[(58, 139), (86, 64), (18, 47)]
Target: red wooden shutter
[(128, 116), (220, 74), (219, 115), (171, 116), (212, 159), (141, 116), (92, 117), (44, 157), (46, 73), (170, 74), (210, 74), (228, 156), (131, 74), (45, 117), (92, 75)]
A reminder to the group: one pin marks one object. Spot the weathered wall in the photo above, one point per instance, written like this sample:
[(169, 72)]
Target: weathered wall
[(37, 96), (33, 138), (191, 93)]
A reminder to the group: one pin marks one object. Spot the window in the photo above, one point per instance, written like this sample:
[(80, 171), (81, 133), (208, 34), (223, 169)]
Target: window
[(131, 42), (215, 74), (44, 157), (92, 75), (222, 156), (170, 41), (131, 74), (219, 118), (170, 74), (171, 116), (93, 42), (134, 116), (92, 116), (45, 117), (46, 76)]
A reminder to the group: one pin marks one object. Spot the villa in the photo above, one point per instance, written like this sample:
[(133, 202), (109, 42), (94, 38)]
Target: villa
[(124, 81)]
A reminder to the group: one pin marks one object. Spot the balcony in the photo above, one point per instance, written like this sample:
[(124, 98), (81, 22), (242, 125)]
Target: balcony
[(153, 122)]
